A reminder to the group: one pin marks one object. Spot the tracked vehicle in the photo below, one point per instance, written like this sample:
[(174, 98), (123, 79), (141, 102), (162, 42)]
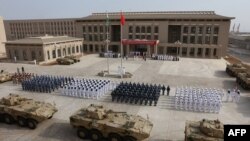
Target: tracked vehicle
[(5, 76)]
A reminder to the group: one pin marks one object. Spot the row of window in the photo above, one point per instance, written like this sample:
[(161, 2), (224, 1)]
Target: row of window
[(143, 29), (200, 29), (63, 52), (100, 28), (25, 54), (200, 40), (148, 37)]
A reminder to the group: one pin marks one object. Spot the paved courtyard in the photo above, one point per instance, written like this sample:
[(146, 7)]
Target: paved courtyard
[(168, 123)]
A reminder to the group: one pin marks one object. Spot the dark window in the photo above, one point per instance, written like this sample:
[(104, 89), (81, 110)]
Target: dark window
[(24, 55), (208, 30), (77, 49), (199, 39), (48, 55), (85, 47), (91, 48), (156, 29), (59, 52), (54, 53), (200, 30), (185, 39), (143, 30), (137, 37), (148, 29), (90, 38), (16, 54), (101, 28), (130, 29), (115, 33), (130, 36), (69, 50), (185, 29), (137, 29), (83, 29), (143, 37), (96, 48), (192, 39), (73, 50), (95, 28), (174, 32), (193, 29), (215, 40), (90, 29), (95, 37), (149, 37), (101, 37), (207, 40), (216, 30)]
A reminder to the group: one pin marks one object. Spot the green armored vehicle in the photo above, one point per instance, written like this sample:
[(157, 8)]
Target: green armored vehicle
[(96, 123), (26, 112), (65, 61), (243, 79), (205, 130), (5, 76), (74, 58)]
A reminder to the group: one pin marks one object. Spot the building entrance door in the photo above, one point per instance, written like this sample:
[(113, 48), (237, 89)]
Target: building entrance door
[(141, 48)]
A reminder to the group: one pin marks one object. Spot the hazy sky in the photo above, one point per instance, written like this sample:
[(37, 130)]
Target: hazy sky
[(36, 9)]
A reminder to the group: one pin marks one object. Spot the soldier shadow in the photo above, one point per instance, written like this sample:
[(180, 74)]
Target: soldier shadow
[(13, 126), (166, 102)]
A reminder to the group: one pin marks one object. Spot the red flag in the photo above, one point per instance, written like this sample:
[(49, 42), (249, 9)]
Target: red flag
[(122, 19)]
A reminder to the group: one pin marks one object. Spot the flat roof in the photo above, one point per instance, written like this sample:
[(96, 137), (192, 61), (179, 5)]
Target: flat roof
[(44, 40), (159, 15)]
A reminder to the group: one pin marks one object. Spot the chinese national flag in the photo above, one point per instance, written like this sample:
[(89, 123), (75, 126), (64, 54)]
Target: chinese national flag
[(122, 19)]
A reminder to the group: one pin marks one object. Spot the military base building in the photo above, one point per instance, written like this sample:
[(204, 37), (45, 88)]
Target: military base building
[(201, 34), (43, 49)]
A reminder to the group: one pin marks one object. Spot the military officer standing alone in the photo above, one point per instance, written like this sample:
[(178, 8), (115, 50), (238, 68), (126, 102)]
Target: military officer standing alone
[(163, 89), (168, 90)]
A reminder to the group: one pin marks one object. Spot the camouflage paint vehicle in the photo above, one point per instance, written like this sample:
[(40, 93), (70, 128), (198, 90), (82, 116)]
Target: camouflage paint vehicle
[(65, 61), (205, 130), (96, 122), (243, 79), (26, 112), (5, 76), (74, 58), (234, 69)]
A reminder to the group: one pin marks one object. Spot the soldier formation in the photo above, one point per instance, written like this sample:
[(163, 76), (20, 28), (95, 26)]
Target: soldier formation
[(86, 88), (45, 83), (136, 93), (18, 78), (165, 57), (198, 99)]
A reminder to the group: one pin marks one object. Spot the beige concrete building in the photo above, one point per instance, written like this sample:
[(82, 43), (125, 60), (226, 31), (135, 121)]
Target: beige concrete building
[(187, 33), (43, 49), (2, 36), (19, 29), (201, 34)]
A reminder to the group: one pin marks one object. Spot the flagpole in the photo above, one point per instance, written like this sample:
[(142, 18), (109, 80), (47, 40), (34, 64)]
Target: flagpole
[(121, 50), (107, 40)]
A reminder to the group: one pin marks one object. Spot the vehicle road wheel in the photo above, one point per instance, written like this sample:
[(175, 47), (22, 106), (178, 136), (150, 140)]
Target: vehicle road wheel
[(129, 138), (95, 135), (21, 121), (82, 133), (8, 119), (32, 124), (115, 137)]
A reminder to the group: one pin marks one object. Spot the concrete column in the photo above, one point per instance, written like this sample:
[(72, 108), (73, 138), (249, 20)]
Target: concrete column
[(148, 50), (155, 49), (88, 50), (180, 51), (164, 50), (127, 49), (203, 52), (211, 52), (195, 51), (188, 51)]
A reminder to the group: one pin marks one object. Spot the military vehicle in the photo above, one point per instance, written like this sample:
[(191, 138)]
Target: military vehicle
[(243, 79), (74, 58), (234, 69), (96, 122), (65, 61), (26, 112), (5, 76), (205, 130)]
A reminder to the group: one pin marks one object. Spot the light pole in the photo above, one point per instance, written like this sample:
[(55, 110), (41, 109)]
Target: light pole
[(178, 43)]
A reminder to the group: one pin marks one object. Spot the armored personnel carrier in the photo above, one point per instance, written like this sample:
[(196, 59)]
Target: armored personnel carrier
[(205, 130), (234, 69), (243, 79), (5, 76), (96, 123), (65, 61), (74, 58), (26, 112)]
